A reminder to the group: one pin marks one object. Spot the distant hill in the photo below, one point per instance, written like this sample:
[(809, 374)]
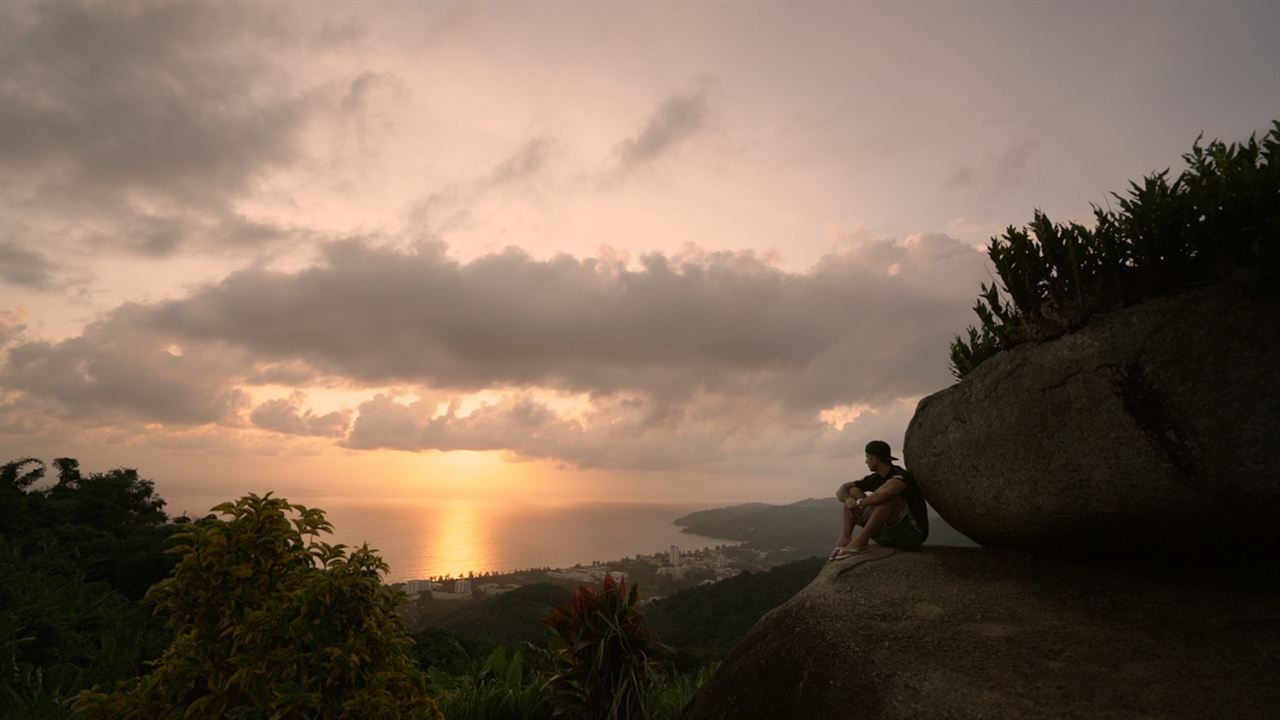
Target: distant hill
[(707, 621), (719, 515), (808, 525)]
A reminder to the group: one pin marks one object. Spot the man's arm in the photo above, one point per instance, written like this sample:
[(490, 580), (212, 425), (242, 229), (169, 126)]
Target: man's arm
[(891, 488), (849, 491)]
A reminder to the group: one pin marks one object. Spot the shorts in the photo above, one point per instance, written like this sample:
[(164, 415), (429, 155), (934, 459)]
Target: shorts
[(900, 532)]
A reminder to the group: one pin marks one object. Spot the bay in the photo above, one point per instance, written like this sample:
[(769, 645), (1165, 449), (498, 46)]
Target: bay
[(455, 537)]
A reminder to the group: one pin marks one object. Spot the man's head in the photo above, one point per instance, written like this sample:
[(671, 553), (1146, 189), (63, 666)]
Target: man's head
[(879, 455)]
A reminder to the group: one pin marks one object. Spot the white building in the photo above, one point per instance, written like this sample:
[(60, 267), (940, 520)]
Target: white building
[(416, 587), (675, 556), (461, 590), (592, 574)]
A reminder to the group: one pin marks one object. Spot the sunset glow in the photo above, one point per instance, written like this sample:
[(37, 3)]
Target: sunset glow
[(561, 251)]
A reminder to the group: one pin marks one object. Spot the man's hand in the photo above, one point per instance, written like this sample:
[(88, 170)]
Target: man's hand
[(852, 503)]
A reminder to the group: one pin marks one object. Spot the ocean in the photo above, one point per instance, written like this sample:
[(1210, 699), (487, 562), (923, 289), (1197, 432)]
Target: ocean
[(454, 537)]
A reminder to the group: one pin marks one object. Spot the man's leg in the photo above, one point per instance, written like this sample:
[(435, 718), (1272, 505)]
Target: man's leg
[(849, 520), (880, 514)]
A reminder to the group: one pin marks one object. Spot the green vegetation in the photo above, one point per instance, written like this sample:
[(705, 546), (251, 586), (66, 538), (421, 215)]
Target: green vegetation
[(599, 663), (510, 619), (264, 620), (75, 557), (270, 622), (1220, 218), (706, 622), (506, 685), (514, 686)]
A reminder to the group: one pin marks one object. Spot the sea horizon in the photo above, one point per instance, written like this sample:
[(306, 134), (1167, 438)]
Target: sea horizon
[(420, 539)]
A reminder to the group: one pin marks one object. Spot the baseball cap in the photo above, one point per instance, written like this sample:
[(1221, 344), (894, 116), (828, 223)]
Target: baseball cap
[(880, 449)]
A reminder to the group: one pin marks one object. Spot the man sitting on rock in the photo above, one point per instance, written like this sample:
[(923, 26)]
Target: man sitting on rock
[(888, 505)]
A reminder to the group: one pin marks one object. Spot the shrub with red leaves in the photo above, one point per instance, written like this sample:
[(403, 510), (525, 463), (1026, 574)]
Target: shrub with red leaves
[(603, 654)]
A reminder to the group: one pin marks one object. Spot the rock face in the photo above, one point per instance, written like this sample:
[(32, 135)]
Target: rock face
[(970, 633), (1160, 416)]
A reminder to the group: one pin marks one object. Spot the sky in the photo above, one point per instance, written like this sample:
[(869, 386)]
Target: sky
[(548, 251)]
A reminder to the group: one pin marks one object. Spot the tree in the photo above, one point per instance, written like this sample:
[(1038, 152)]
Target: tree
[(74, 558), (269, 622)]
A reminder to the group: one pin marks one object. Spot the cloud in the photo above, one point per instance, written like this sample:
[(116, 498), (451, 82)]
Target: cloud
[(527, 161), (618, 431), (364, 108), (721, 321), (704, 359), (739, 436), (23, 267), (675, 121), (286, 415), (118, 368), (996, 173), (452, 207), (144, 123), (12, 324)]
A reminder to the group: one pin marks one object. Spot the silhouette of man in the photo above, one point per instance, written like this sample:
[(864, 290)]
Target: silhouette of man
[(887, 505)]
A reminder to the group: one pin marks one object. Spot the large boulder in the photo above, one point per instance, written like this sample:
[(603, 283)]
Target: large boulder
[(1155, 419), (972, 633)]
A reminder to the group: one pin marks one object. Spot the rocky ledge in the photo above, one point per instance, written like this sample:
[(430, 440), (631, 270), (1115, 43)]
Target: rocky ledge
[(970, 633)]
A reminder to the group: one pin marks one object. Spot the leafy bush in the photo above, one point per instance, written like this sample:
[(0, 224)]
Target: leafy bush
[(669, 693), (514, 686), (269, 622), (440, 649), (602, 652), (507, 686), (1219, 218)]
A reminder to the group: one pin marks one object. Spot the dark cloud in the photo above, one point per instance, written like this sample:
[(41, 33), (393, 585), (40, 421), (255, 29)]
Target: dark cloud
[(676, 120), (527, 161), (961, 176), (120, 368), (724, 322), (364, 105), (996, 173), (143, 122), (286, 415), (707, 358), (23, 267)]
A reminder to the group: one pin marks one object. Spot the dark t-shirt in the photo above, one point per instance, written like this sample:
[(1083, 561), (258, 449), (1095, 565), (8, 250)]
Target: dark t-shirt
[(914, 495)]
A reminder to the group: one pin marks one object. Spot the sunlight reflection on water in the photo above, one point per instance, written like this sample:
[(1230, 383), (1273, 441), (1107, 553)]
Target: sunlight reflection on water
[(453, 537)]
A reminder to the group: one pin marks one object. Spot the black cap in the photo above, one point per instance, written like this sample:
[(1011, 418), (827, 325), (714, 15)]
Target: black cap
[(880, 449)]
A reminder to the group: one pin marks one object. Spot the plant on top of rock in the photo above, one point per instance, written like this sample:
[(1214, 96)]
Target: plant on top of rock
[(270, 623), (602, 652), (1219, 218)]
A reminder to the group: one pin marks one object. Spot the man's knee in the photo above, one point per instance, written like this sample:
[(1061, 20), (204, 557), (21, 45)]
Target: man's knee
[(891, 509)]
